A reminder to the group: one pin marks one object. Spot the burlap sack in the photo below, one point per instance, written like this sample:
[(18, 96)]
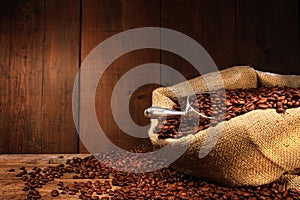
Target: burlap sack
[(253, 149)]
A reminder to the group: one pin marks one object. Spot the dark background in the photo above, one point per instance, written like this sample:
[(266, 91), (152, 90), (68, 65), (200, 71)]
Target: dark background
[(43, 42)]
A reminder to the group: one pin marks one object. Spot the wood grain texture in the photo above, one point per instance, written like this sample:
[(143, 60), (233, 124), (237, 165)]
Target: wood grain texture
[(39, 59), (100, 20), (61, 50), (268, 35), (210, 23), (5, 14), (21, 41)]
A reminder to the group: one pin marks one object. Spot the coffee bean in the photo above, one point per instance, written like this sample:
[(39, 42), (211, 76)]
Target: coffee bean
[(60, 183), (262, 106), (262, 101), (165, 183), (279, 104), (280, 110), (265, 193), (54, 193), (72, 193), (238, 102)]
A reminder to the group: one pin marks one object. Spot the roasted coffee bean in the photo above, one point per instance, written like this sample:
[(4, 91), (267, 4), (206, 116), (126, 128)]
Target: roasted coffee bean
[(165, 183), (60, 183), (95, 197), (237, 102), (72, 193), (262, 106), (11, 170), (280, 110), (54, 193)]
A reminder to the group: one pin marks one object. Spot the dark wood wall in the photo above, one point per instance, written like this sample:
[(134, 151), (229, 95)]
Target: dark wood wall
[(43, 42), (39, 48)]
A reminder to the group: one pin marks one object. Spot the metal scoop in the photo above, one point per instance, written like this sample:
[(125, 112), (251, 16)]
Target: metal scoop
[(156, 112)]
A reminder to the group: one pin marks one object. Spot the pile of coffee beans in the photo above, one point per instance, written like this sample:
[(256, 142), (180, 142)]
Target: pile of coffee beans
[(94, 180), (237, 102)]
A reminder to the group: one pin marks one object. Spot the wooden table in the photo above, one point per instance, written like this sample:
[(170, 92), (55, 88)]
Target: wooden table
[(11, 186)]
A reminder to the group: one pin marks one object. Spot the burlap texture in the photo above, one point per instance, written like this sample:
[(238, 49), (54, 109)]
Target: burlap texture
[(269, 79), (253, 149), (292, 178)]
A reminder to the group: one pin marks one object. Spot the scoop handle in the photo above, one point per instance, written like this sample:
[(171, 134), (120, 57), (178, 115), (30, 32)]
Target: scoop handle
[(156, 112)]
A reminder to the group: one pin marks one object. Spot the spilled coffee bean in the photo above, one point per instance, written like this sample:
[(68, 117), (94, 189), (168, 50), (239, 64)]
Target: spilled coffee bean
[(165, 183), (54, 193), (11, 170)]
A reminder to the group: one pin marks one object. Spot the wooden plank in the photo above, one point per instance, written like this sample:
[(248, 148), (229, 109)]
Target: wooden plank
[(20, 56), (268, 35), (61, 50), (210, 23), (100, 20), (6, 12), (39, 58)]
